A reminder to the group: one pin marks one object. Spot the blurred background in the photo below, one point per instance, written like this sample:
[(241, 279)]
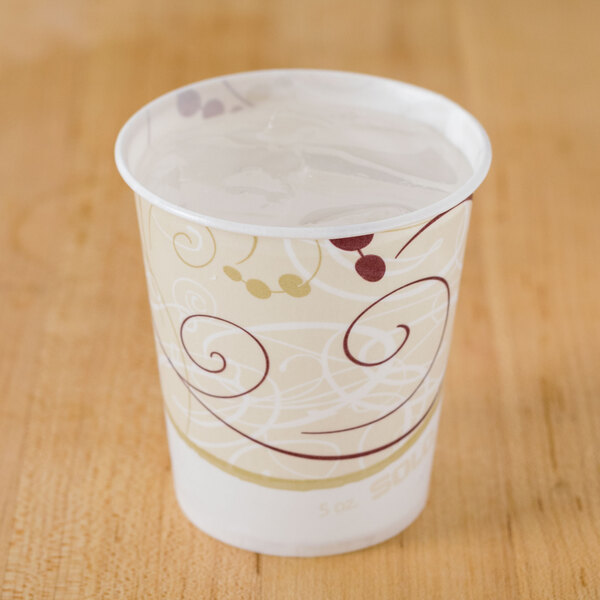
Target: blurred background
[(86, 505)]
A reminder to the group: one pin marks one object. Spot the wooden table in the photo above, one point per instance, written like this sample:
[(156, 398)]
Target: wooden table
[(87, 506)]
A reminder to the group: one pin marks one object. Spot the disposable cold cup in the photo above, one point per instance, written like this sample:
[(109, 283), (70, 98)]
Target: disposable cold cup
[(302, 394)]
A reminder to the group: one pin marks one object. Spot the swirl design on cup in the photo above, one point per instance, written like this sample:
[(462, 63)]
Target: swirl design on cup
[(312, 456), (177, 244), (352, 357), (365, 240), (220, 363), (220, 356)]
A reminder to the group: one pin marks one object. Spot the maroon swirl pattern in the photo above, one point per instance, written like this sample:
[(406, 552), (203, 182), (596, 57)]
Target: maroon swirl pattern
[(222, 365), (352, 357), (219, 356), (306, 455), (406, 329), (430, 223)]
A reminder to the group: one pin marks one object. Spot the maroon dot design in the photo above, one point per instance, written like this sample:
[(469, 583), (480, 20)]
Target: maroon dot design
[(212, 108), (370, 267), (188, 102)]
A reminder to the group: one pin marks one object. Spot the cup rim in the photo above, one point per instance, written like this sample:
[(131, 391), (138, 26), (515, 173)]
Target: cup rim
[(302, 231)]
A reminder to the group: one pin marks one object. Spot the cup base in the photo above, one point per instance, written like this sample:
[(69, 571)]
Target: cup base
[(303, 523), (302, 551)]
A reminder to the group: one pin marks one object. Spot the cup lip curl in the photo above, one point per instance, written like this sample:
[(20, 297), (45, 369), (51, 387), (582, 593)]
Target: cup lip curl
[(480, 167)]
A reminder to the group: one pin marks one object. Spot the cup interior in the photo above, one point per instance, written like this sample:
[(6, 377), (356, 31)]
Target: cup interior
[(173, 112)]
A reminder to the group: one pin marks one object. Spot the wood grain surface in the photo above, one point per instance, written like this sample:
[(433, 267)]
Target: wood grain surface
[(87, 509)]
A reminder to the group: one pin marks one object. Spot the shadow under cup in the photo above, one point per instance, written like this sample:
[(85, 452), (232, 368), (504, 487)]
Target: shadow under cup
[(302, 391)]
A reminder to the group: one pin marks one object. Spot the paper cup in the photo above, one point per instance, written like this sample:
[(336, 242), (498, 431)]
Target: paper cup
[(302, 367)]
